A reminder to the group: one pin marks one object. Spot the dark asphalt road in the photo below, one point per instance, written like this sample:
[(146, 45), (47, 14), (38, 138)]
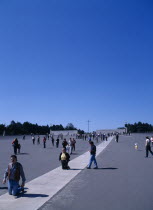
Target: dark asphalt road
[(123, 182)]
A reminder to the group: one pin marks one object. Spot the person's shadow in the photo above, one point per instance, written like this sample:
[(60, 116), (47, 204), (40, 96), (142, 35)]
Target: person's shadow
[(108, 168), (23, 153), (31, 195), (3, 188), (75, 169)]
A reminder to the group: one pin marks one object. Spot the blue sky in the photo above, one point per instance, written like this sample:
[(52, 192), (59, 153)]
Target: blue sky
[(73, 61)]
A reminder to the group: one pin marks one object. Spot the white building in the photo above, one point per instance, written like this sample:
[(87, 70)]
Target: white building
[(119, 130), (64, 133)]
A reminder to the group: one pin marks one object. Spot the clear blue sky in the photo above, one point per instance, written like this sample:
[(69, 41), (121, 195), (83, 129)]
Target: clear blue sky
[(65, 61)]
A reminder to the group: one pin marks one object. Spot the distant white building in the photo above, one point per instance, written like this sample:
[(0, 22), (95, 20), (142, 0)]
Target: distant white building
[(119, 130), (64, 133)]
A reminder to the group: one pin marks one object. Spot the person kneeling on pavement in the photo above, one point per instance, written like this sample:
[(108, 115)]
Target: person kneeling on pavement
[(64, 158), (13, 173)]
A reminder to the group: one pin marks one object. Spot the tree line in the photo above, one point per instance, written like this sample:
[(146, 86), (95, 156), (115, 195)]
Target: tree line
[(139, 127), (17, 128)]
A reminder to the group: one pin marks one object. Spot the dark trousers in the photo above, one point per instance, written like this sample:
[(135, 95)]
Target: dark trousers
[(15, 150), (73, 147), (64, 164), (148, 149)]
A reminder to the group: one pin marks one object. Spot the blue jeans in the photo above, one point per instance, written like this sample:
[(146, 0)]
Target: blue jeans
[(13, 187), (92, 158)]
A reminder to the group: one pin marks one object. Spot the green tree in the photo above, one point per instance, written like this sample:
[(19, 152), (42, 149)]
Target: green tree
[(70, 126)]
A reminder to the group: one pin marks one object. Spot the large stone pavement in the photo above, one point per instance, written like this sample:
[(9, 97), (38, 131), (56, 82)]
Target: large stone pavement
[(123, 180), (35, 159)]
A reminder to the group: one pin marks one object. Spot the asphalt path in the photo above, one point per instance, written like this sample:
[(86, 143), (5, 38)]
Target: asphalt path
[(123, 180), (35, 159)]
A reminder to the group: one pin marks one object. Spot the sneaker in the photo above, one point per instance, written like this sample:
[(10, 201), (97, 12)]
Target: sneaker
[(88, 167), (96, 167)]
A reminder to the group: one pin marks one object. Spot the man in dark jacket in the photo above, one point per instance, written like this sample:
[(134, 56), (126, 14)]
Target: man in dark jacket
[(92, 155), (15, 144), (13, 173), (64, 143), (64, 157), (117, 137)]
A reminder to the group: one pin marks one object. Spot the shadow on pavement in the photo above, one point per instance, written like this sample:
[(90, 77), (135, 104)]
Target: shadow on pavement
[(30, 195), (3, 188), (75, 169), (23, 153), (109, 168)]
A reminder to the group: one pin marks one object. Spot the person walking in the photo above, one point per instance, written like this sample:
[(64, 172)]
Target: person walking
[(64, 143), (64, 157), (97, 138), (70, 146), (117, 137), (148, 147), (106, 137), (73, 144), (19, 148), (151, 140), (15, 145), (38, 140), (44, 142), (52, 141), (92, 156), (13, 174), (57, 142)]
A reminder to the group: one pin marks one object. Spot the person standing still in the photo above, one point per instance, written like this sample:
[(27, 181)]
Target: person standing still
[(33, 139), (92, 156)]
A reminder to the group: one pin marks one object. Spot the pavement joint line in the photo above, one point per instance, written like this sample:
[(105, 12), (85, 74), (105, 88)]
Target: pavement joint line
[(44, 187)]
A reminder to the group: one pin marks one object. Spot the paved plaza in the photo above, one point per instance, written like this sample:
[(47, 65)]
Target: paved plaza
[(123, 180)]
